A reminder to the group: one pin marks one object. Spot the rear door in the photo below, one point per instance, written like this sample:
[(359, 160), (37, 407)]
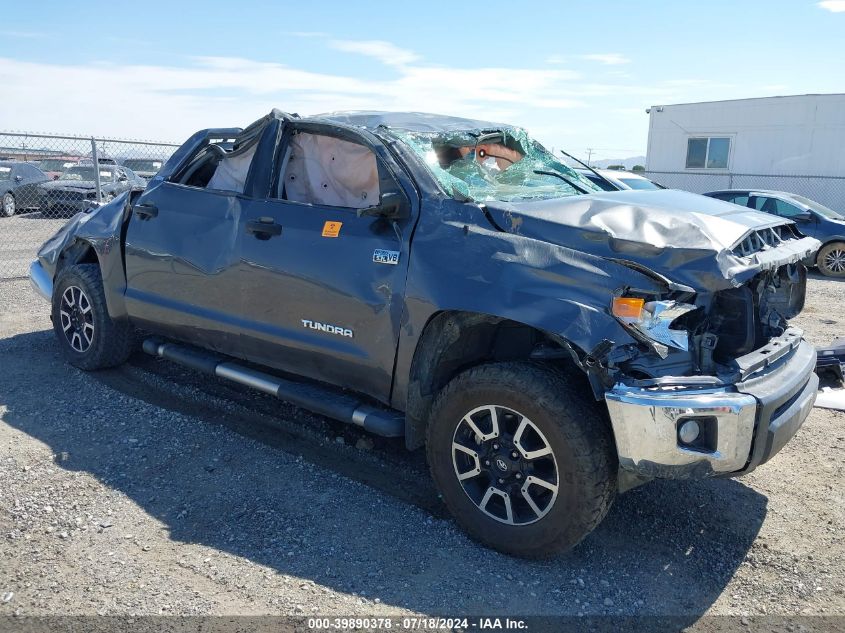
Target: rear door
[(183, 250), (322, 288), (26, 192)]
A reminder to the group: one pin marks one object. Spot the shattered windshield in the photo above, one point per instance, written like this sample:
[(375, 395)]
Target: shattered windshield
[(505, 165)]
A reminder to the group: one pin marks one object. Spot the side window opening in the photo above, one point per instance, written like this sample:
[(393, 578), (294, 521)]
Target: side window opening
[(325, 170), (223, 164), (231, 172), (201, 168)]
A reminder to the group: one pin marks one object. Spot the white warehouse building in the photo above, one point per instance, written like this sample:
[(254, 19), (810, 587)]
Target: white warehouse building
[(793, 143)]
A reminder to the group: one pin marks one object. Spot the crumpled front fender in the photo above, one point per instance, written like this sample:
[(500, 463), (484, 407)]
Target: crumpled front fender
[(101, 229)]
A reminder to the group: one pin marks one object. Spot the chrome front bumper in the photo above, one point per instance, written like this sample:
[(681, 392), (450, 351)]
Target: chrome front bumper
[(40, 280), (747, 423)]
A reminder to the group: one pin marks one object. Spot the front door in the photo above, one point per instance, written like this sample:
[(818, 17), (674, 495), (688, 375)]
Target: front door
[(323, 289), (181, 264)]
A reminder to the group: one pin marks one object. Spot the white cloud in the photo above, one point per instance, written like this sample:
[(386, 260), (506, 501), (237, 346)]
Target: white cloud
[(385, 52), (611, 59), (171, 102), (835, 6)]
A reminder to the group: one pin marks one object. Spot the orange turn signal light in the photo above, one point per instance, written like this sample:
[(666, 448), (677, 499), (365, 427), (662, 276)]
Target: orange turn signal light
[(627, 307)]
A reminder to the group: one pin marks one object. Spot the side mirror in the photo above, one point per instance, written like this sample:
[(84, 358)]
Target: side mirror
[(803, 217), (18, 178), (391, 206)]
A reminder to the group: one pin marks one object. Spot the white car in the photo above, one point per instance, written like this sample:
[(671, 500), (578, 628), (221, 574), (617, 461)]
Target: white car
[(618, 180)]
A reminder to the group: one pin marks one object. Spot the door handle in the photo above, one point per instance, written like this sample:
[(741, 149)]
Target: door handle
[(145, 211), (263, 228)]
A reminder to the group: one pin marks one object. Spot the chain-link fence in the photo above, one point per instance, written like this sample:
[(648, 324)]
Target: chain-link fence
[(828, 190), (44, 180)]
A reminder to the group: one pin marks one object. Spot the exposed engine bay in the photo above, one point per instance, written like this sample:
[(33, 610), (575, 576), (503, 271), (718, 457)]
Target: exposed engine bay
[(710, 331)]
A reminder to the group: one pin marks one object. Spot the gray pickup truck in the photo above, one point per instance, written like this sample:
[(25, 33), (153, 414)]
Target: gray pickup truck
[(450, 282)]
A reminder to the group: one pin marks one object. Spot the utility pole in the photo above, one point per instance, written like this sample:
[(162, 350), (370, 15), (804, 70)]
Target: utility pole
[(589, 155)]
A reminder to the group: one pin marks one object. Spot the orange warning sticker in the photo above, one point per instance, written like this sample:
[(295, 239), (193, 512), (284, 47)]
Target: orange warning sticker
[(332, 229)]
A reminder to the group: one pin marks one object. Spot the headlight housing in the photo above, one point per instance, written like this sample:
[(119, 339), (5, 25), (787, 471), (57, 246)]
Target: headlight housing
[(652, 320)]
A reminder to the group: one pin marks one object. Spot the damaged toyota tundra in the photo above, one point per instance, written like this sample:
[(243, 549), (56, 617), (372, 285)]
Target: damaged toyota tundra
[(452, 283)]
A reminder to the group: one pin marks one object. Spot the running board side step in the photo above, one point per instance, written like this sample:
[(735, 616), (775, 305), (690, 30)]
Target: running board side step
[(311, 396)]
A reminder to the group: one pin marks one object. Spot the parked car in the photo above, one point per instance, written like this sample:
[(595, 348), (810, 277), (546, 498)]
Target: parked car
[(450, 282), (145, 168), (19, 186), (618, 180), (814, 219), (76, 189), (55, 167)]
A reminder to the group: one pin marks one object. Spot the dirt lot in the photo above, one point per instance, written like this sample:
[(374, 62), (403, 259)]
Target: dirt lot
[(20, 237), (152, 490)]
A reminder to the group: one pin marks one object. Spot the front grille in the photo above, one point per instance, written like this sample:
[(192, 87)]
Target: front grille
[(66, 195), (763, 239)]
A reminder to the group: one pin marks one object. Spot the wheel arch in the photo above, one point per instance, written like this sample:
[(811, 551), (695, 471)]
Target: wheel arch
[(80, 251), (840, 239), (84, 251), (453, 341)]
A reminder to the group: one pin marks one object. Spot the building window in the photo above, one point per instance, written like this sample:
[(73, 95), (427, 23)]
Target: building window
[(708, 152)]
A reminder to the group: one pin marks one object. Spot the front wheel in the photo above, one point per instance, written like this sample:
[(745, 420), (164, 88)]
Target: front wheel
[(88, 336), (523, 463), (9, 207), (831, 260)]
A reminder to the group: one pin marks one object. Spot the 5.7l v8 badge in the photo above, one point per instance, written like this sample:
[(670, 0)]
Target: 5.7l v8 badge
[(381, 256)]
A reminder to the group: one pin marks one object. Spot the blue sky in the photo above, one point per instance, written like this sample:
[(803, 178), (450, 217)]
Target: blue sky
[(578, 75)]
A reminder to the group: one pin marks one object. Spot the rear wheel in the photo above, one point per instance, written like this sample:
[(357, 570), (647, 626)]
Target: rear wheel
[(523, 463), (9, 207), (88, 337), (831, 259)]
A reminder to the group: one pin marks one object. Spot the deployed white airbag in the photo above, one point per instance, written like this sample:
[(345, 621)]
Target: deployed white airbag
[(329, 171), (232, 171)]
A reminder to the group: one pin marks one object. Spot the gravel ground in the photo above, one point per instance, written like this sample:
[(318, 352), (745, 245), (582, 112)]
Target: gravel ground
[(20, 237), (149, 489)]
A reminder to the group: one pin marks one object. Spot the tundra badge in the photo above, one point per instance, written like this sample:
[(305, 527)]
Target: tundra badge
[(325, 327)]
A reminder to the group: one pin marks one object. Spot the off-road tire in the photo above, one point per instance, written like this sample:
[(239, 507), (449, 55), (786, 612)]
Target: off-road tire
[(829, 260), (577, 432), (112, 341)]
